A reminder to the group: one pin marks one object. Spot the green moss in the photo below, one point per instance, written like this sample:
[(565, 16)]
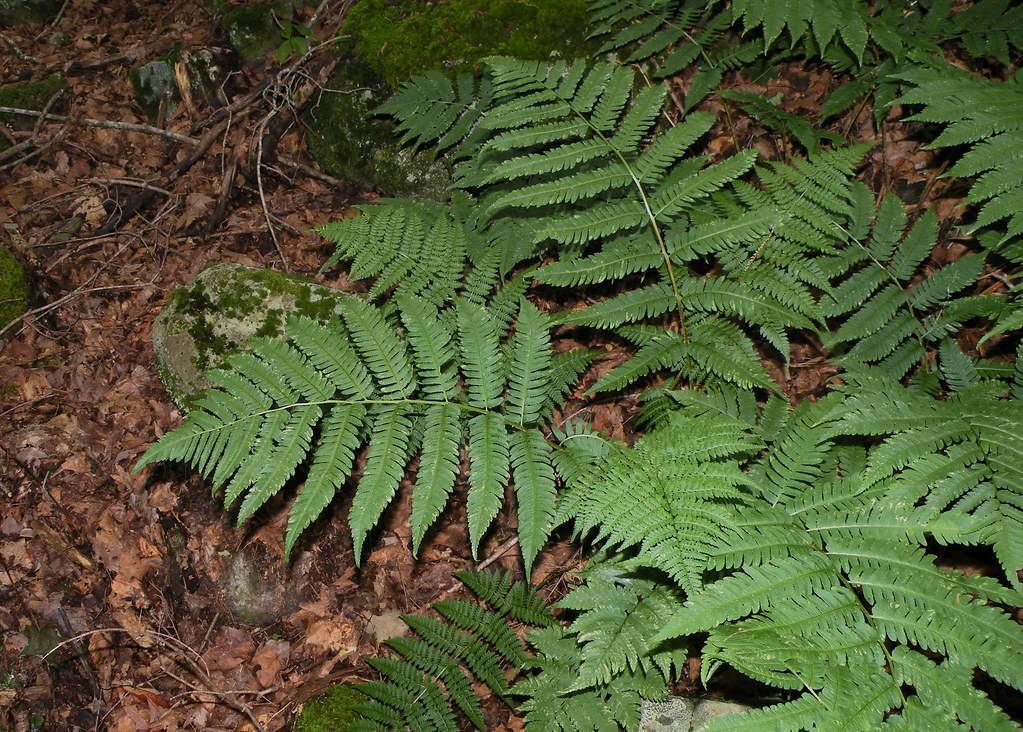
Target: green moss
[(13, 288), (331, 711), (400, 38), (252, 30), (215, 316), (13, 12), (350, 143), (29, 95)]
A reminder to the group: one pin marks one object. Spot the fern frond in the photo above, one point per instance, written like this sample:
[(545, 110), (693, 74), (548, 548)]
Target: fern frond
[(533, 474), (530, 368), (389, 451), (438, 467)]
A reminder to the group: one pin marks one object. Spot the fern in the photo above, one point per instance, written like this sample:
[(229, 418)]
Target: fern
[(887, 323), (597, 671), (986, 116), (429, 678), (336, 388), (812, 572)]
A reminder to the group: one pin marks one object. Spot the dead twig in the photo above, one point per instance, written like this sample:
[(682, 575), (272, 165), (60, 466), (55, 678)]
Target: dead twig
[(18, 52), (134, 205), (109, 124)]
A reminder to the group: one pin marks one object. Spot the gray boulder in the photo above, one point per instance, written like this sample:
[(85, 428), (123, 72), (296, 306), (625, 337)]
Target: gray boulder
[(214, 316)]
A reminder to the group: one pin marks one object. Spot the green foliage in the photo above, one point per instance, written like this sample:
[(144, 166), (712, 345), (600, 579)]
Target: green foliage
[(594, 674), (988, 116), (800, 545), (333, 389), (880, 320), (571, 160), (429, 678), (803, 547)]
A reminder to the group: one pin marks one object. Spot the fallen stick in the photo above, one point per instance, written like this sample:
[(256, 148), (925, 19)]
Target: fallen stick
[(109, 124)]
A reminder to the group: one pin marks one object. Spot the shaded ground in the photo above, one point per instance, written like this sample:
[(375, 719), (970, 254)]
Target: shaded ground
[(133, 571)]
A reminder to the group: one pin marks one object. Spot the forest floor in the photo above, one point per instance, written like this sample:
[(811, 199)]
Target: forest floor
[(127, 577)]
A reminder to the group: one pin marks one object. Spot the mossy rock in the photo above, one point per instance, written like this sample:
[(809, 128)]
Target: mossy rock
[(401, 38), (152, 83), (13, 287), (13, 12), (331, 711), (387, 42), (350, 143), (252, 30), (214, 316), (27, 95)]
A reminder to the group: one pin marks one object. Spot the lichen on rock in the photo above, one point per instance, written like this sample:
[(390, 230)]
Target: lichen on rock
[(214, 316), (13, 287), (153, 82)]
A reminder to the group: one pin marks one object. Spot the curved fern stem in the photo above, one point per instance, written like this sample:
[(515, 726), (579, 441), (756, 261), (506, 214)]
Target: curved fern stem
[(651, 216), (367, 402)]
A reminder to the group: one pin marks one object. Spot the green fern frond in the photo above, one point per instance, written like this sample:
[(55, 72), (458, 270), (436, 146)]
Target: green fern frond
[(397, 391), (986, 115)]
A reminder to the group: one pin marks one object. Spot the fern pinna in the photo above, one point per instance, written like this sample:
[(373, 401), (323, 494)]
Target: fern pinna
[(573, 160), (801, 540), (431, 675), (426, 388), (880, 320), (594, 673)]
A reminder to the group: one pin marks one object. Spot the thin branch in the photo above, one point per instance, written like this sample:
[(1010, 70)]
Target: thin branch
[(109, 124)]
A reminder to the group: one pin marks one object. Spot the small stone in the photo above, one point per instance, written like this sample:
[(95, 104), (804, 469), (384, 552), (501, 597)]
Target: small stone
[(214, 316), (155, 83), (708, 709), (13, 288), (58, 39), (257, 590), (673, 715), (252, 30)]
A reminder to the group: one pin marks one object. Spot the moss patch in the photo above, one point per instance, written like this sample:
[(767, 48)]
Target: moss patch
[(331, 711), (13, 12), (29, 95), (252, 30), (401, 38), (350, 143), (213, 317), (13, 287), (388, 41)]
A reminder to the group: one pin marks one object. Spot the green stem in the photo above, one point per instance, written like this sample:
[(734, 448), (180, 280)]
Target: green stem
[(651, 216)]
